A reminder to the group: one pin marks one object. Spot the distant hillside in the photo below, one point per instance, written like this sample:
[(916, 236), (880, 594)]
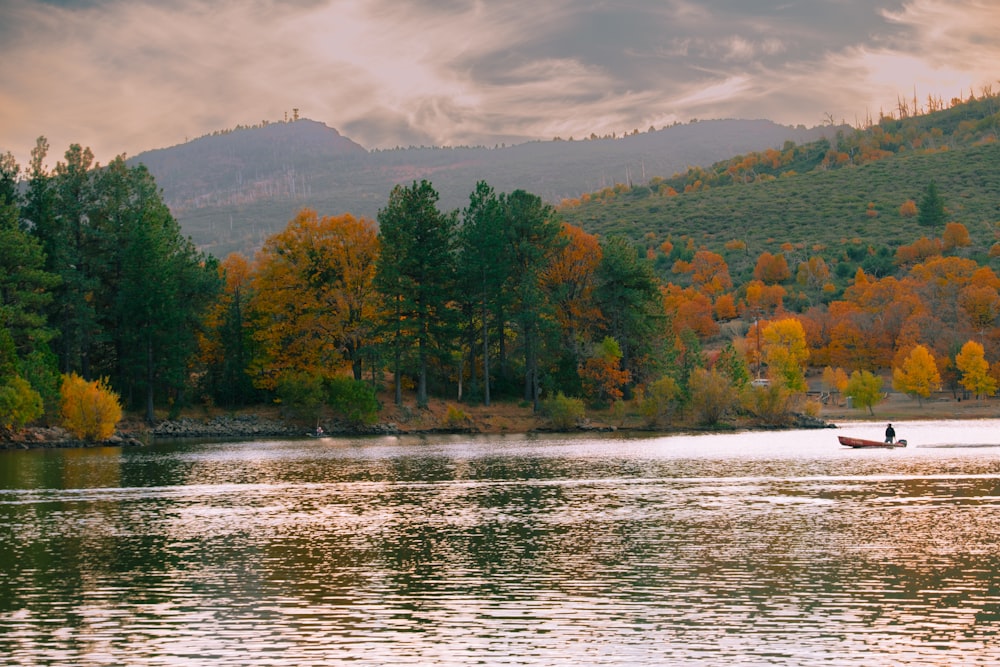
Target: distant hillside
[(837, 198), (230, 190)]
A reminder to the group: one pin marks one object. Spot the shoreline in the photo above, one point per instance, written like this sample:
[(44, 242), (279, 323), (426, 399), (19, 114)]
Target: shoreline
[(443, 417)]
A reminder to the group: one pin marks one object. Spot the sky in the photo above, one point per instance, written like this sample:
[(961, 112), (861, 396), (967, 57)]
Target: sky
[(125, 76)]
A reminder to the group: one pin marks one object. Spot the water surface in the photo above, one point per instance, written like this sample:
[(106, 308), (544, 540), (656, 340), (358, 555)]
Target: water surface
[(746, 549)]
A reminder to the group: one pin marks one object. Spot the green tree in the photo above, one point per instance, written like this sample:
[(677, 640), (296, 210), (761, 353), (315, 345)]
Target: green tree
[(532, 236), (483, 272), (151, 325), (416, 275), (931, 211), (62, 204), (865, 390), (25, 286), (627, 293), (353, 400)]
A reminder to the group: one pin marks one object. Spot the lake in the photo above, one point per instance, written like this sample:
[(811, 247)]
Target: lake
[(743, 549)]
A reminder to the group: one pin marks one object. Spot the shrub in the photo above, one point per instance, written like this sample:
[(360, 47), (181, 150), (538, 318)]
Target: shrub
[(353, 400), (455, 417), (301, 395), (712, 396), (90, 410), (563, 411), (659, 401), (19, 403)]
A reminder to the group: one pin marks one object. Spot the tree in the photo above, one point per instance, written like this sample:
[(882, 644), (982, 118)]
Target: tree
[(533, 238), (659, 400), (415, 273), (484, 270), (971, 361), (314, 302), (25, 286), (151, 326), (570, 282), (710, 273), (918, 375), (62, 205), (955, 236), (226, 344), (628, 294), (834, 380), (603, 377), (865, 390), (785, 353), (931, 210), (771, 269)]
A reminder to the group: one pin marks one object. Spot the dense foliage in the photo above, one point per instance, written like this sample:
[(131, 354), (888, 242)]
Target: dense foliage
[(507, 298)]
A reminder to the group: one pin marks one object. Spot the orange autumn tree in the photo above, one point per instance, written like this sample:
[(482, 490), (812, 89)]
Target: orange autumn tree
[(602, 375), (710, 273), (314, 304), (955, 236), (223, 341), (764, 300), (689, 309), (569, 280), (771, 269)]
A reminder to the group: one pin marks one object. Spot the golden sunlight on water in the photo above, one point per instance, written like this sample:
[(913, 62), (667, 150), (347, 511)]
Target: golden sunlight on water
[(751, 549)]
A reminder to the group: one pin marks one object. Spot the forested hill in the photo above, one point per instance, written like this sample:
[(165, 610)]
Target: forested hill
[(230, 190), (850, 200)]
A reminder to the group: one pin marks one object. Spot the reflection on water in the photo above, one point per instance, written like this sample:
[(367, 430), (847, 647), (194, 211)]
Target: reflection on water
[(751, 549)]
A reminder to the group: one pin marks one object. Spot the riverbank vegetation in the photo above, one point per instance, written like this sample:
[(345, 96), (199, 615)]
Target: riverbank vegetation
[(510, 299)]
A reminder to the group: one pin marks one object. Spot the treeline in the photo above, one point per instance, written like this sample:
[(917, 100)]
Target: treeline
[(499, 300), (96, 281)]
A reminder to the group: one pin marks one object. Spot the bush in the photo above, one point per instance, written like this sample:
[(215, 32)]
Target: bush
[(19, 403), (659, 401), (563, 411), (354, 400), (455, 417), (301, 395), (712, 396), (90, 410)]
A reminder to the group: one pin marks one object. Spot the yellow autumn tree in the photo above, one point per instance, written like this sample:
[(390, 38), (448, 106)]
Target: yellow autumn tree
[(835, 380), (918, 376), (971, 361), (90, 410), (785, 353)]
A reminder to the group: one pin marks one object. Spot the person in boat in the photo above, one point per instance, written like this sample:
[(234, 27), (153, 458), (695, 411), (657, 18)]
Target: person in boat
[(319, 431), (890, 434)]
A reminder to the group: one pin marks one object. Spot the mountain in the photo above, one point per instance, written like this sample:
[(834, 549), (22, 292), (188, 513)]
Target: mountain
[(230, 190)]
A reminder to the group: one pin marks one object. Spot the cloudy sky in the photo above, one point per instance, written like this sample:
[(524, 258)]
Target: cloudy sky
[(123, 76)]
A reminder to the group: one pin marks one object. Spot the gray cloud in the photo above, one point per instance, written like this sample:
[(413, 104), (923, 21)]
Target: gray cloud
[(126, 76)]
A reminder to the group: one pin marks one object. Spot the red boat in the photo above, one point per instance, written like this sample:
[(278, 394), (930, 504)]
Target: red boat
[(858, 443)]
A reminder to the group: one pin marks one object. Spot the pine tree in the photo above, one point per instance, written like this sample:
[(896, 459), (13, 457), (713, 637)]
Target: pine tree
[(416, 276), (931, 210)]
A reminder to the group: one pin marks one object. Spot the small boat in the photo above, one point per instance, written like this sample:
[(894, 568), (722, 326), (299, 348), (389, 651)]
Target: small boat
[(858, 443)]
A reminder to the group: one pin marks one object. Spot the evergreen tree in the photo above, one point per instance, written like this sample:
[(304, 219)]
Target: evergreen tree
[(416, 276), (628, 294), (532, 236), (483, 271), (931, 212)]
